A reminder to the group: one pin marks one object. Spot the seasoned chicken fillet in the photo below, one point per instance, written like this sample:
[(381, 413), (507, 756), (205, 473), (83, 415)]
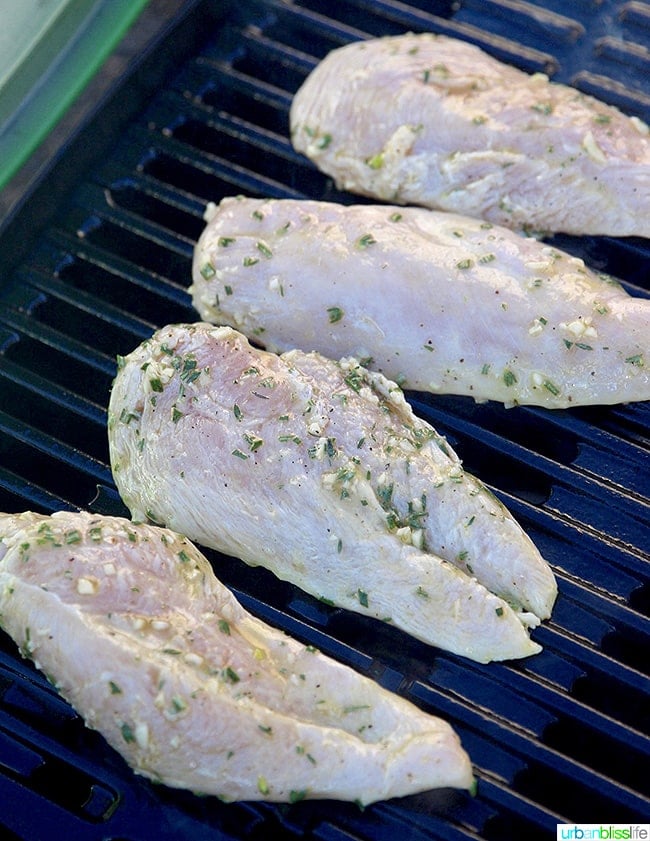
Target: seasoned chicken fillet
[(320, 472), (435, 301), (430, 120), (139, 636)]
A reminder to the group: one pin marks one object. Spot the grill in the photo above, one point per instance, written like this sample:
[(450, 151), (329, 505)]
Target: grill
[(97, 255)]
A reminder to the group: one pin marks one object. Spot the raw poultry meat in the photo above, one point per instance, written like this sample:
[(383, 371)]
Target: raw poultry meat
[(435, 121), (320, 471), (131, 625), (435, 301)]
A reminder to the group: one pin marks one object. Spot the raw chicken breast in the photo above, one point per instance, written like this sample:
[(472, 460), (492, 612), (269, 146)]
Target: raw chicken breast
[(131, 624), (320, 472), (430, 120), (435, 301)]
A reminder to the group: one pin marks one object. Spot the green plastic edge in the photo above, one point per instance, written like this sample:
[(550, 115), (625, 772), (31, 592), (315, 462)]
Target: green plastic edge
[(97, 36)]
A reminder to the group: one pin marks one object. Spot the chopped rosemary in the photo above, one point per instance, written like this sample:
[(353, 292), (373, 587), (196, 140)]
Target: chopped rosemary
[(253, 441), (354, 379), (366, 240), (335, 314), (127, 733), (550, 386), (283, 439), (178, 704)]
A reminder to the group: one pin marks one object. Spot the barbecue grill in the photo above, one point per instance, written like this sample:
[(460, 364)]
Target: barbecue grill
[(96, 255)]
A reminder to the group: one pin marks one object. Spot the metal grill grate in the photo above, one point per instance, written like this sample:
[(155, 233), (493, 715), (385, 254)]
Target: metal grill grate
[(564, 736)]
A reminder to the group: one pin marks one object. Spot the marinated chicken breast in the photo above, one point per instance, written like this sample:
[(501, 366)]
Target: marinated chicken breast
[(431, 120), (139, 636), (320, 472), (435, 301)]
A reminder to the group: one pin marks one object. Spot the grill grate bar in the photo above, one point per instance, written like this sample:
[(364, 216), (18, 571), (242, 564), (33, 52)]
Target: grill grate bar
[(109, 270), (41, 442), (26, 495), (536, 20), (613, 92), (111, 318), (395, 17), (482, 732), (560, 475), (58, 341), (49, 392)]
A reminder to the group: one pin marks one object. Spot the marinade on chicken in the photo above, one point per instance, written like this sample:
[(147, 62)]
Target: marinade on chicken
[(435, 301), (320, 471), (431, 120), (132, 626)]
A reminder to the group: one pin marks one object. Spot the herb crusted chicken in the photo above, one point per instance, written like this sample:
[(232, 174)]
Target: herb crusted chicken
[(435, 301), (320, 471), (431, 120), (136, 632)]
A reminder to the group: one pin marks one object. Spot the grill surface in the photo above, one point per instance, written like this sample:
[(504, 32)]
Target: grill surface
[(561, 737)]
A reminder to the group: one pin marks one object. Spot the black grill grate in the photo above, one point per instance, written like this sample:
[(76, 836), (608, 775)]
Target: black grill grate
[(562, 737)]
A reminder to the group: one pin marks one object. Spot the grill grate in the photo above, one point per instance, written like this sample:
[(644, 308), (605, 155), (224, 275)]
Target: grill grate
[(564, 736)]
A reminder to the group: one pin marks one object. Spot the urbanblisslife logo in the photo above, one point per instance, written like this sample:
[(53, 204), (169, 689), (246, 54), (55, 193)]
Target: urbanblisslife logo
[(604, 832)]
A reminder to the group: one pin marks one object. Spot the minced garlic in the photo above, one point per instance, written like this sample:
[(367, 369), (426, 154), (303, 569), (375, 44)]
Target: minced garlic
[(87, 586), (593, 149)]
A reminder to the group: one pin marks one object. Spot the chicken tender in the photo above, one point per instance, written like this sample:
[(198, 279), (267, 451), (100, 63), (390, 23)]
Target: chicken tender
[(136, 632), (434, 121), (320, 471)]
